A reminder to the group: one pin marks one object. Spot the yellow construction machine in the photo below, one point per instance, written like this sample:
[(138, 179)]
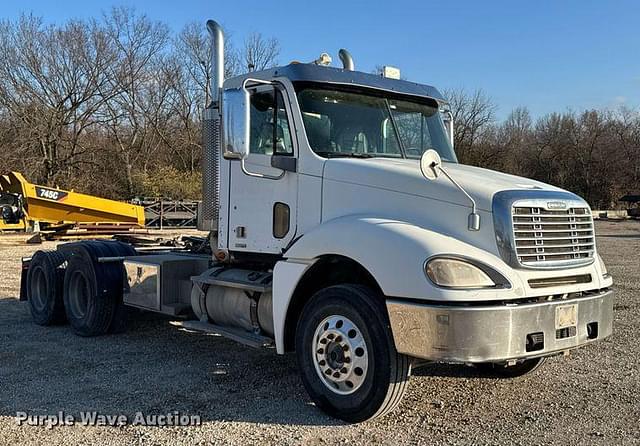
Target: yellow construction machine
[(27, 207)]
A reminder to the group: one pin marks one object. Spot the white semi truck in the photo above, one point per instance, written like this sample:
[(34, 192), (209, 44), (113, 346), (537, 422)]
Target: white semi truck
[(342, 227)]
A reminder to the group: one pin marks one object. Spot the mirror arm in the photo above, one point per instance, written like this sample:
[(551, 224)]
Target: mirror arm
[(260, 175), (474, 218), (242, 164)]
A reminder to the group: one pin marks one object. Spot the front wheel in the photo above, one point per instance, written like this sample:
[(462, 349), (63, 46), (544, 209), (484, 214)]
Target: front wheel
[(346, 355)]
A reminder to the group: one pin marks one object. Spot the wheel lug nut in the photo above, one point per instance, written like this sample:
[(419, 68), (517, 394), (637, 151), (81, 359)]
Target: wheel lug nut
[(320, 351), (345, 348), (339, 339), (322, 362), (330, 336), (344, 370), (336, 375), (323, 341)]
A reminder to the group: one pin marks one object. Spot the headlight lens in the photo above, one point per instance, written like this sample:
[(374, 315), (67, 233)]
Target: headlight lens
[(454, 273)]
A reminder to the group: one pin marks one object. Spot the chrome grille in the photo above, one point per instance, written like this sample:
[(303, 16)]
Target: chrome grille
[(547, 238)]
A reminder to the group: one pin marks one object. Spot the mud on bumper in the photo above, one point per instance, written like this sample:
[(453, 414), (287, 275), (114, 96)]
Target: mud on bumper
[(499, 332)]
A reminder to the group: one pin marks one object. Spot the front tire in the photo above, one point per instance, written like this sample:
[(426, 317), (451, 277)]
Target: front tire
[(346, 354)]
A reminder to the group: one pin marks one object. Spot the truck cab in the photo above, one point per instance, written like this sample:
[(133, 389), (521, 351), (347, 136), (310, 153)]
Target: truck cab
[(343, 228)]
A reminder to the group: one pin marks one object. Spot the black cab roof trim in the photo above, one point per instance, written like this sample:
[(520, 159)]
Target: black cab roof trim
[(304, 72)]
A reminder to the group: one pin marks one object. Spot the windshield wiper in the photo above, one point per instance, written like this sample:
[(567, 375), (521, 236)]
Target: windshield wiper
[(394, 124), (328, 154)]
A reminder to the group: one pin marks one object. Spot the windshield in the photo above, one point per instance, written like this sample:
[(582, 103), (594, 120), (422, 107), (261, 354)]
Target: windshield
[(341, 123)]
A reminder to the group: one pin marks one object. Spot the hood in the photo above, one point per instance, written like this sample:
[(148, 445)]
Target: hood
[(404, 175)]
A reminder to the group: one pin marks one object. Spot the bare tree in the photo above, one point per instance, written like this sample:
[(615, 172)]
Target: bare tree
[(625, 127), (181, 131), (515, 134), (53, 82), (473, 114), (114, 106), (259, 52), (138, 94), (194, 46)]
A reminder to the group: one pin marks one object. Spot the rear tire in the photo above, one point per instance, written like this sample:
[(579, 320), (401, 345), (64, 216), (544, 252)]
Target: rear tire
[(514, 371), (93, 290), (89, 311), (346, 354), (45, 278)]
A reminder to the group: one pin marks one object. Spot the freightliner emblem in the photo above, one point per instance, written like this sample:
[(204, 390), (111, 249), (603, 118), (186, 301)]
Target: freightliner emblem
[(554, 205)]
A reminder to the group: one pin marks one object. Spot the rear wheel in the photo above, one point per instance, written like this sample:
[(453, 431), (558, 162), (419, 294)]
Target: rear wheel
[(510, 371), (346, 355), (44, 288), (93, 290), (89, 310)]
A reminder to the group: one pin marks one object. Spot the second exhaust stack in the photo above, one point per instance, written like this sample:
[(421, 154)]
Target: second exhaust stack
[(216, 75), (347, 60)]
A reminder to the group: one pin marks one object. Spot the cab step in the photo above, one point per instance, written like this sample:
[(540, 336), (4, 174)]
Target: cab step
[(235, 334)]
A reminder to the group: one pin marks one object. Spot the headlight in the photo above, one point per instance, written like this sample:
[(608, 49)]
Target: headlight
[(454, 273), (603, 268)]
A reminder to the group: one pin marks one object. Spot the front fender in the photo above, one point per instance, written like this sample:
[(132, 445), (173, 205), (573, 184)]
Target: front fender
[(394, 252)]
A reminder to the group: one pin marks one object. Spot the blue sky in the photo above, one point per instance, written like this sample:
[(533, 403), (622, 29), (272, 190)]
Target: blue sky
[(549, 55)]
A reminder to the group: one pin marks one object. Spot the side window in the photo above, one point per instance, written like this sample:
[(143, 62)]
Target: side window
[(269, 124), (284, 144)]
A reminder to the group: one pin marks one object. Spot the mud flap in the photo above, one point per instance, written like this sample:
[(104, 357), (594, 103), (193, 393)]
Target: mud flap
[(26, 261)]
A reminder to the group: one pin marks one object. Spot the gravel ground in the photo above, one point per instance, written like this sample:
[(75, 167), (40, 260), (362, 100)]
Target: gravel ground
[(247, 396)]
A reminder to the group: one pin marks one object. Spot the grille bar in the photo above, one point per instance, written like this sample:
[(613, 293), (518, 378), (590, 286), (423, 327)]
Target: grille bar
[(581, 237), (551, 223), (568, 245), (555, 254), (555, 230), (546, 238), (553, 215)]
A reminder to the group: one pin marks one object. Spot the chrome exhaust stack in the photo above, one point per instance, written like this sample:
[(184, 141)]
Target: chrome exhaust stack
[(216, 75), (211, 134), (347, 60)]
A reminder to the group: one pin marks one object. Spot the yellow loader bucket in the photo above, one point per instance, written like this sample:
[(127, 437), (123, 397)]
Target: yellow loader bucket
[(56, 206)]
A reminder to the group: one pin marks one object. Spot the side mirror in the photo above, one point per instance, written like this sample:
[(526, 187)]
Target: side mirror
[(431, 166), (430, 163), (235, 121)]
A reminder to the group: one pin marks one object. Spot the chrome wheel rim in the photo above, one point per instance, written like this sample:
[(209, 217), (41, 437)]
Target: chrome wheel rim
[(340, 354)]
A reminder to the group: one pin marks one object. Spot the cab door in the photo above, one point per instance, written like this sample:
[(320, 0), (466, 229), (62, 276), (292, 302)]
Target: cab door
[(262, 205)]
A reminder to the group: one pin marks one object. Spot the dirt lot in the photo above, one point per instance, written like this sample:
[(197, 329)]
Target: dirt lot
[(246, 396)]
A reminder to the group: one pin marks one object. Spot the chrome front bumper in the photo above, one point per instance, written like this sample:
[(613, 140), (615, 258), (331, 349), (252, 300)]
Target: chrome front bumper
[(499, 332)]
